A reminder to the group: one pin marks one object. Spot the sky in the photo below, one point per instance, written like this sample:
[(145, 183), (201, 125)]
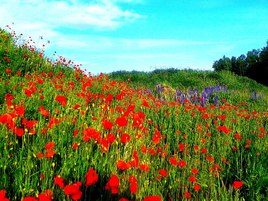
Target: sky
[(142, 35)]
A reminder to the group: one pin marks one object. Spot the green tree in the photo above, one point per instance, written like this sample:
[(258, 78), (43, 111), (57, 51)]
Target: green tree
[(223, 64)]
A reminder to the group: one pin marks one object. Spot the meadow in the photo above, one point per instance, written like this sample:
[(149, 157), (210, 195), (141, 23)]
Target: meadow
[(165, 135)]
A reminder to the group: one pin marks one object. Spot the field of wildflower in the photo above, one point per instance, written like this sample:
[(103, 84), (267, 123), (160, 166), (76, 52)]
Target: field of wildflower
[(68, 135)]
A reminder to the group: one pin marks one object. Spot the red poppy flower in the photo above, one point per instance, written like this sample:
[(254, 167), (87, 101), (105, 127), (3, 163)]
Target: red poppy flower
[(59, 181), (194, 170), (197, 187), (50, 145), (152, 198), (125, 138), (29, 124), (123, 199), (107, 124), (110, 138), (224, 129), (19, 132), (8, 70), (3, 195), (20, 111), (156, 139), (75, 132), (133, 187), (238, 136), (44, 197), (29, 198), (143, 149), (91, 177), (187, 195), (144, 167), (113, 184), (204, 150), (121, 121), (192, 179), (122, 165), (43, 111), (39, 155), (28, 92), (62, 100), (237, 184), (109, 97), (181, 147), (50, 153), (75, 145), (163, 173), (182, 163), (104, 144), (73, 190), (133, 184), (173, 160), (90, 133), (52, 122)]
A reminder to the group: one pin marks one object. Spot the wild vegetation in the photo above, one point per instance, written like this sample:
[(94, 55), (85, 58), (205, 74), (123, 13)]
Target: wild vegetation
[(165, 135), (253, 65)]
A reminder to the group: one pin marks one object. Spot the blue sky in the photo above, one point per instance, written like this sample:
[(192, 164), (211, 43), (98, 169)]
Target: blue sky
[(111, 35)]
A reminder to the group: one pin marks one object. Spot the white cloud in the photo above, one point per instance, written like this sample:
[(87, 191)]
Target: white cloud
[(65, 13), (46, 18)]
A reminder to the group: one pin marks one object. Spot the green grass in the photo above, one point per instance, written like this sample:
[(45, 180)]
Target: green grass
[(56, 122)]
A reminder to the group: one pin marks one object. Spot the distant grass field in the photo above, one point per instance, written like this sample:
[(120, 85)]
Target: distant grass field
[(239, 88), (165, 135)]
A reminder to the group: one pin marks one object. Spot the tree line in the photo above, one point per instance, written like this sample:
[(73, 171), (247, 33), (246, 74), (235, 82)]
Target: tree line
[(253, 65)]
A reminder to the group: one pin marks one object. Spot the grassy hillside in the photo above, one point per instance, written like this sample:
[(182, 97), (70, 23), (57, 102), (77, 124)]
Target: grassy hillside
[(239, 88), (186, 79), (66, 135)]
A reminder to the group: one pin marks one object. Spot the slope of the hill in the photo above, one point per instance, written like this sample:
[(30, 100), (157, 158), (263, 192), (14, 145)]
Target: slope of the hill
[(185, 79), (239, 87), (20, 55)]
